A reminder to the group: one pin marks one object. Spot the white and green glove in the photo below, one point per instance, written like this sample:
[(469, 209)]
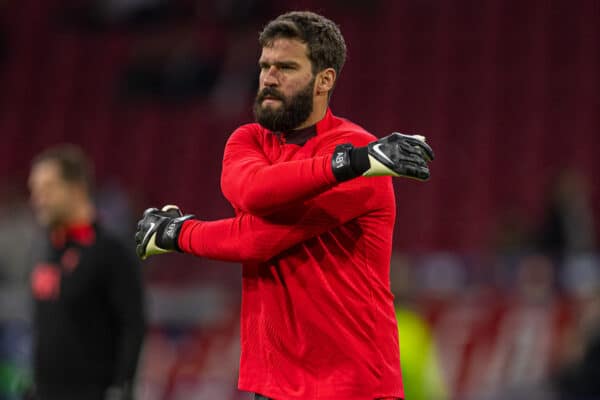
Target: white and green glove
[(158, 231), (394, 155)]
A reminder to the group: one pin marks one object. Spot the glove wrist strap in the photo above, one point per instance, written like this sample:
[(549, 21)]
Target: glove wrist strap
[(359, 160), (168, 237), (348, 162)]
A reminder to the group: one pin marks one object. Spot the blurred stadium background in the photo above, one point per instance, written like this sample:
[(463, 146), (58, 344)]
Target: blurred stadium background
[(495, 266)]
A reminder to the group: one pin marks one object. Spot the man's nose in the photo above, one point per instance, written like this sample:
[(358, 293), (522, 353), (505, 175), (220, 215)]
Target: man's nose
[(270, 77)]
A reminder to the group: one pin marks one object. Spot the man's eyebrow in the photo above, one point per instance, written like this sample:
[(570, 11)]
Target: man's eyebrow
[(279, 64), (287, 64)]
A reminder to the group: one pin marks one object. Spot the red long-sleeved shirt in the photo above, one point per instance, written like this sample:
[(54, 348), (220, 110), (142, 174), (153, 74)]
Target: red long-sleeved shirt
[(317, 317)]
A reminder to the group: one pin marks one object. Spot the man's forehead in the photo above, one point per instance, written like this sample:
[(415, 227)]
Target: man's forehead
[(46, 169), (284, 47)]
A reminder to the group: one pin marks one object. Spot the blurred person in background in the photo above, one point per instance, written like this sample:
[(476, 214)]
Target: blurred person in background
[(86, 286), (578, 375), (421, 367), (313, 234), (568, 225)]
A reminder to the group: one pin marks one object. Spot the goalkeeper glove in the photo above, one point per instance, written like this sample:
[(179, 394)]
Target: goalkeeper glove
[(158, 231), (394, 155)]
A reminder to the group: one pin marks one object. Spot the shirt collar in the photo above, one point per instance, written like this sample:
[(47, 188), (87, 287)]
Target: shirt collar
[(301, 136), (80, 233)]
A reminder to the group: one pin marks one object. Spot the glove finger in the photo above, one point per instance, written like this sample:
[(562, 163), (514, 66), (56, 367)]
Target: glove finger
[(407, 148), (417, 147), (402, 138), (415, 159), (138, 237), (416, 172), (150, 211), (173, 208), (422, 173), (426, 150), (139, 249), (172, 213)]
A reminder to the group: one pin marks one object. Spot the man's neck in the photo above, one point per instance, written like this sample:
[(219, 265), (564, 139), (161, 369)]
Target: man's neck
[(82, 213), (317, 115)]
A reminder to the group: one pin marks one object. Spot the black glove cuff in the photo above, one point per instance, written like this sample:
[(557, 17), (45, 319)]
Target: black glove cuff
[(168, 237), (340, 163), (359, 160), (348, 162)]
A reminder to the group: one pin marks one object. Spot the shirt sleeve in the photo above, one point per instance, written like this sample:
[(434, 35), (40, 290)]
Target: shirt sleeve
[(254, 185), (126, 299), (250, 238)]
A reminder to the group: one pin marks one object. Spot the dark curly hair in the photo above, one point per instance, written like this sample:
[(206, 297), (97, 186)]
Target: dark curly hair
[(326, 46)]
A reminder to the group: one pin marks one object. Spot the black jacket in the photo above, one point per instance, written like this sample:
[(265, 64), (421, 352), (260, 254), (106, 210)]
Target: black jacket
[(88, 313)]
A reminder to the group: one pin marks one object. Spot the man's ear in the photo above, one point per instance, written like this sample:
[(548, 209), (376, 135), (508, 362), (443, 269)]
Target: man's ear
[(325, 81)]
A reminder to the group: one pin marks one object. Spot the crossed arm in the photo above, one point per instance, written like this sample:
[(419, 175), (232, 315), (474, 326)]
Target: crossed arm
[(250, 238), (254, 185), (281, 205)]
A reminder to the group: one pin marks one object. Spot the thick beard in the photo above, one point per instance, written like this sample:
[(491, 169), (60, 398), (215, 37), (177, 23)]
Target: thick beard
[(292, 113)]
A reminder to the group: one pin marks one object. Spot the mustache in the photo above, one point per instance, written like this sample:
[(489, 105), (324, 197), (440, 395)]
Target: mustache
[(270, 92)]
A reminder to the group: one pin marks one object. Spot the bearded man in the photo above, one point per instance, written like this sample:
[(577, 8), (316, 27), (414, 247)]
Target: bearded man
[(315, 212)]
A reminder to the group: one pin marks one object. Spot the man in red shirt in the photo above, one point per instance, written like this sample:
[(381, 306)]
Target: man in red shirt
[(315, 212)]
